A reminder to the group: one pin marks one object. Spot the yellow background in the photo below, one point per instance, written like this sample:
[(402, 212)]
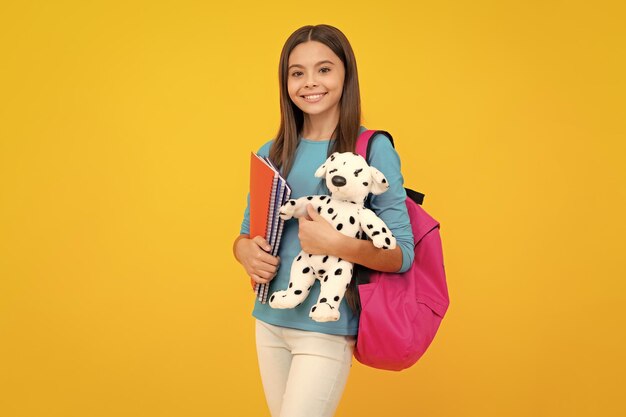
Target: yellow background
[(125, 134)]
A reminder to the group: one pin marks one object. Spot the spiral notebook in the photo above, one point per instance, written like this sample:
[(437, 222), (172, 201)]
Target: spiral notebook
[(268, 192)]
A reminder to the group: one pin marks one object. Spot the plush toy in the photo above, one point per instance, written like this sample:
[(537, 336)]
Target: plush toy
[(349, 179)]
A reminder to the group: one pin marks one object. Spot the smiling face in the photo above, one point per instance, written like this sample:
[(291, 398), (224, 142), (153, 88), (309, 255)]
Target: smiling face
[(315, 78)]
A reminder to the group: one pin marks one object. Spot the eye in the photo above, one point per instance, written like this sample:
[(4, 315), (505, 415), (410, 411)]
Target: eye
[(295, 73), (325, 68)]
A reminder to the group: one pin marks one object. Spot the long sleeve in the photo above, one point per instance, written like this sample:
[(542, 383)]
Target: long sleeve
[(245, 224), (390, 206)]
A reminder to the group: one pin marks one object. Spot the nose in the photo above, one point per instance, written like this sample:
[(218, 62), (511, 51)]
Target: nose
[(310, 82), (338, 181)]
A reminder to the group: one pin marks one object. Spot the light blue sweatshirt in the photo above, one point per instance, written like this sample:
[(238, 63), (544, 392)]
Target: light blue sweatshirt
[(389, 206)]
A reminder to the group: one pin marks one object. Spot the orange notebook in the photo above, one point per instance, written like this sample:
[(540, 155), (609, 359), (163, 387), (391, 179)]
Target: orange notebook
[(261, 192), (268, 192)]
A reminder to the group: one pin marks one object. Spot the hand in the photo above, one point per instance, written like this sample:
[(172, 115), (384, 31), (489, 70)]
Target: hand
[(253, 256), (317, 236)]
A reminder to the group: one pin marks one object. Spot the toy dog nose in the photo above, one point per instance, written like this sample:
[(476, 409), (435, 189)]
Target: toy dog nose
[(338, 181)]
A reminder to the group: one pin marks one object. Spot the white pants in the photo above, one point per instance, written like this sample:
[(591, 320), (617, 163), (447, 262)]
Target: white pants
[(303, 373)]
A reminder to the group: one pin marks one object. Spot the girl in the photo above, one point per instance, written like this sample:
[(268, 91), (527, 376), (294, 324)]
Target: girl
[(304, 364)]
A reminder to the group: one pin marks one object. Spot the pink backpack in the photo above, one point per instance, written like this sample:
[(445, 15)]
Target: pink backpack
[(401, 313)]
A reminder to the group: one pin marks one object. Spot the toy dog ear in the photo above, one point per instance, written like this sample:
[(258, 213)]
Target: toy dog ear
[(379, 182), (321, 171)]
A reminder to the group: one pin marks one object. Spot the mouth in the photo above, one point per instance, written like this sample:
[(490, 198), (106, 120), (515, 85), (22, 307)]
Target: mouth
[(313, 98)]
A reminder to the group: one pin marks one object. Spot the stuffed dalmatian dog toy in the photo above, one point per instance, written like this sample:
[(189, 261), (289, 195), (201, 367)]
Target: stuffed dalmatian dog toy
[(350, 179)]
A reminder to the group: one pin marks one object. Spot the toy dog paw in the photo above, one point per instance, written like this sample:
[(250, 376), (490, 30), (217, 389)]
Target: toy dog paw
[(288, 209), (281, 299), (384, 240), (323, 312)]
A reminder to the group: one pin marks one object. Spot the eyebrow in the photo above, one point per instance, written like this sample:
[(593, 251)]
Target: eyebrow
[(319, 63)]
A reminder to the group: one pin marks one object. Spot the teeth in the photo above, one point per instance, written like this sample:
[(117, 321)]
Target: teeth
[(315, 97)]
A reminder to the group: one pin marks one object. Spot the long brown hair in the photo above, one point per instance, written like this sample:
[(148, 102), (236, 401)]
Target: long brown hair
[(283, 149)]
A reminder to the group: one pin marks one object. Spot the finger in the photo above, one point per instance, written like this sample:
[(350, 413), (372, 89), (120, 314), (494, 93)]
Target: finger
[(264, 257), (311, 211), (262, 270), (277, 267), (265, 269), (262, 243), (258, 279)]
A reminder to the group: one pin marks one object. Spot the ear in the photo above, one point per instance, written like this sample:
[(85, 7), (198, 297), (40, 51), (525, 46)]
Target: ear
[(379, 182), (321, 171)]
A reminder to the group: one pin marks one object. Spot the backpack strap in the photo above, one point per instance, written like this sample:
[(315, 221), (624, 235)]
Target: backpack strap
[(363, 146)]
